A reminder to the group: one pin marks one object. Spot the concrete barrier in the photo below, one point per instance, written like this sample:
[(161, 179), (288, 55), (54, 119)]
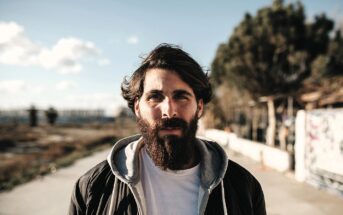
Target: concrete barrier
[(272, 157)]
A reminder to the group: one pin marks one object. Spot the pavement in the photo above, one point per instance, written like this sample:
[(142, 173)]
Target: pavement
[(284, 195), (48, 195)]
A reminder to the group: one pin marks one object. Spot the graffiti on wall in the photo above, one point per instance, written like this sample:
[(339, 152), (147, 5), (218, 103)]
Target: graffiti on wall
[(324, 147)]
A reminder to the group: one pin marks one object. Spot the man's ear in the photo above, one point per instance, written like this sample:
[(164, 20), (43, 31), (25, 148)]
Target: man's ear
[(136, 108), (200, 108)]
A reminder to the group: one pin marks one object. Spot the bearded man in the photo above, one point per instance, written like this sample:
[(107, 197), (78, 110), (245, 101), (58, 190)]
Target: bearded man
[(166, 169)]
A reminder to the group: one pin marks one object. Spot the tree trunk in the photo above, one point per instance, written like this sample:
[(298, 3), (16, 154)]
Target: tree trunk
[(290, 107), (270, 138), (254, 123)]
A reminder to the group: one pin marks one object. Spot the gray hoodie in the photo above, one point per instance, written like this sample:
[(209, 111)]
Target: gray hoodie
[(124, 162)]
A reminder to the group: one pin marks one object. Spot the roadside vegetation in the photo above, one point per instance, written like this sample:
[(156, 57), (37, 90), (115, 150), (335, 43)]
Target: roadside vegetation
[(27, 153)]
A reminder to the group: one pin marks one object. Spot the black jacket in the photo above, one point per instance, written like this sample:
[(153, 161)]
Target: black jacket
[(227, 187)]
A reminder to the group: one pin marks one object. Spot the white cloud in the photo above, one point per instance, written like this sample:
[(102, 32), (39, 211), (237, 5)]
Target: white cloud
[(9, 31), (65, 56), (15, 48), (65, 85), (36, 89), (18, 86), (12, 86), (133, 40)]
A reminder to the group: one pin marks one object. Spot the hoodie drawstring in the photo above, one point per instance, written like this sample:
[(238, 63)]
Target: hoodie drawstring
[(223, 198)]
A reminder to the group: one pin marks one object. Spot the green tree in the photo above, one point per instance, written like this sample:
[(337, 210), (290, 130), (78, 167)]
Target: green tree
[(33, 117), (272, 53), (335, 56), (51, 115)]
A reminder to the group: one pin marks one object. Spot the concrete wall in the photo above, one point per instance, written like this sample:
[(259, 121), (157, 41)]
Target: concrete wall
[(272, 157), (319, 148)]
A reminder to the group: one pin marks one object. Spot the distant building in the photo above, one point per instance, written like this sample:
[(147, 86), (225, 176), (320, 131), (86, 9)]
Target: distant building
[(17, 116), (71, 116), (80, 116)]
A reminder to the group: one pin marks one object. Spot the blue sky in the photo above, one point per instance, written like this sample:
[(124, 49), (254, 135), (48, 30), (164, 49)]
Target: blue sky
[(75, 53)]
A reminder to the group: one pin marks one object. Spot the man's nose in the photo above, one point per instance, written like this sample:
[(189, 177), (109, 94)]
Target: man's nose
[(168, 108)]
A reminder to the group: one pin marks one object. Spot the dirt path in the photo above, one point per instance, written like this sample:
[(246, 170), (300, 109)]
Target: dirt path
[(49, 194)]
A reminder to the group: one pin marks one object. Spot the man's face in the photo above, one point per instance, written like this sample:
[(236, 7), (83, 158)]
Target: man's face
[(167, 114)]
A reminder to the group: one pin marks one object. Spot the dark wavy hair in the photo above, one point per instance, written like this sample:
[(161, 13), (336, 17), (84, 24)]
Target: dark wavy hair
[(171, 57)]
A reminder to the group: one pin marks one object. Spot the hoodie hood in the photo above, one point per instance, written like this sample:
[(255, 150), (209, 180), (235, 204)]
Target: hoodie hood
[(124, 161)]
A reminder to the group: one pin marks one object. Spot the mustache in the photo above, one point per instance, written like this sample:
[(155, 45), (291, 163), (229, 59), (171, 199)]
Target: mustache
[(171, 123)]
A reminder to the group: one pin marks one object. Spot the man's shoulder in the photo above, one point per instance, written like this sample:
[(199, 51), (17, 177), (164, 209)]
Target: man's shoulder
[(240, 175), (97, 173), (236, 168), (245, 187)]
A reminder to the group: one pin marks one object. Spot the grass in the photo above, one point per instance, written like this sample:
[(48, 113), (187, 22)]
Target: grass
[(23, 170), (74, 143)]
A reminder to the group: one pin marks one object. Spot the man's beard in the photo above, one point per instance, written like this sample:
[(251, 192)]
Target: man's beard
[(170, 151)]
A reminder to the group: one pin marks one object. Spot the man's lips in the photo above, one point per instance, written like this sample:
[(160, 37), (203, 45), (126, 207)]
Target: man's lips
[(171, 131), (171, 128)]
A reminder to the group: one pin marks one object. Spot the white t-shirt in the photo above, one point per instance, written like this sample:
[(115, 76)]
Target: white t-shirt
[(169, 192)]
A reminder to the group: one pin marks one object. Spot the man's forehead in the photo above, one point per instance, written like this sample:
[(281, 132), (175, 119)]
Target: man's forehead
[(165, 80)]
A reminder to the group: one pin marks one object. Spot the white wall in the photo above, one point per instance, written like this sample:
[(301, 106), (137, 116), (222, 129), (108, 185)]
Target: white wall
[(300, 140), (319, 148), (272, 157)]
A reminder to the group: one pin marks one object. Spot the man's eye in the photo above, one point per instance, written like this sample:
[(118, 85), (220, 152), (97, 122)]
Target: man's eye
[(181, 97), (155, 97)]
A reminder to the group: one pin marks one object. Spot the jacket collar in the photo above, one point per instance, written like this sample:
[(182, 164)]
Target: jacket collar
[(124, 161)]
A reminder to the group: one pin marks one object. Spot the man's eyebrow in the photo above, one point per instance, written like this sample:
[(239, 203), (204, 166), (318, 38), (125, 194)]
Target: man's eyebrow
[(154, 92), (182, 92)]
